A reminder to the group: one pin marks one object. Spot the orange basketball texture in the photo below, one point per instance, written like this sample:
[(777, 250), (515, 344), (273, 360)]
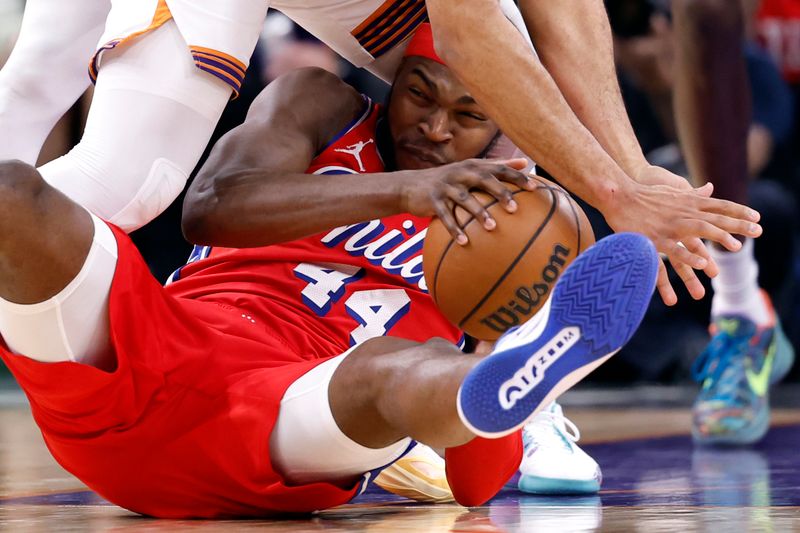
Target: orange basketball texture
[(502, 277)]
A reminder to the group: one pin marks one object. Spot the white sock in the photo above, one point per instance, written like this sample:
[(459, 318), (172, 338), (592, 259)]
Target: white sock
[(736, 290)]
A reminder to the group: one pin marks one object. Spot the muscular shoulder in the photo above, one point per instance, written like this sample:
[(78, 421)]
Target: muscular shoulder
[(312, 99)]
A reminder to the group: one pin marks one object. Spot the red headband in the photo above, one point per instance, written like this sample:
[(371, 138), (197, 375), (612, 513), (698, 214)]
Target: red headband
[(421, 44)]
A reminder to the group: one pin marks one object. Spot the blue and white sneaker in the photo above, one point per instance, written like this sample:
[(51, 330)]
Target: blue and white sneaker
[(552, 462), (596, 306)]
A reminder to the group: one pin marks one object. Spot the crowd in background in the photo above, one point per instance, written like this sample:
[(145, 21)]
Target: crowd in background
[(670, 338)]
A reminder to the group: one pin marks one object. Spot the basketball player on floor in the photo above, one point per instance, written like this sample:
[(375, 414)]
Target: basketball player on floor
[(169, 66), (748, 351), (276, 377), (58, 37)]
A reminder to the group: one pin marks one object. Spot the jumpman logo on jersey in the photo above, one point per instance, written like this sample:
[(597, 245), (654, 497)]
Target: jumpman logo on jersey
[(355, 151)]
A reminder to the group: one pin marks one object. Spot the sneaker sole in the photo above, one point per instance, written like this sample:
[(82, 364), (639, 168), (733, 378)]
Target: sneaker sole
[(748, 435), (594, 309), (545, 485)]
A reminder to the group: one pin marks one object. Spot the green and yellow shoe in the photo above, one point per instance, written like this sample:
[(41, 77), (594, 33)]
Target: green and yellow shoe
[(736, 370)]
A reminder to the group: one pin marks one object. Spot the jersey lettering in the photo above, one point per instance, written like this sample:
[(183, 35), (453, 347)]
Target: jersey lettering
[(392, 250), (376, 311), (326, 283)]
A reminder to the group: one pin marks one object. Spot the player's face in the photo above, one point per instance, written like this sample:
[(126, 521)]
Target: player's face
[(433, 119)]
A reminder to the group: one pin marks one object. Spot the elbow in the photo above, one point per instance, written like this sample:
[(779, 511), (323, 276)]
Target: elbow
[(193, 229), (197, 219)]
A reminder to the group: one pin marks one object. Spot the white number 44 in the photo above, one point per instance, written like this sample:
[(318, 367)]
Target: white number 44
[(376, 311)]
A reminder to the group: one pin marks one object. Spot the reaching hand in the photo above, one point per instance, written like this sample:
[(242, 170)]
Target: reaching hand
[(676, 217), (437, 191), (653, 175)]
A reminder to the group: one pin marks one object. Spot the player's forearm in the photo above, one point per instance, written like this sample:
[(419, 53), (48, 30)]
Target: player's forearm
[(509, 82), (255, 207), (575, 45)]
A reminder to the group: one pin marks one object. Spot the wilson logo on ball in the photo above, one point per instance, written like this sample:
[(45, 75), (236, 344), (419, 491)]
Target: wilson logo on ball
[(528, 298)]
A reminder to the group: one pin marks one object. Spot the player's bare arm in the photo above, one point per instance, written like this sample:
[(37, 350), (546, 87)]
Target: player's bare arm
[(594, 95), (674, 219), (596, 99), (253, 191), (538, 119), (249, 168)]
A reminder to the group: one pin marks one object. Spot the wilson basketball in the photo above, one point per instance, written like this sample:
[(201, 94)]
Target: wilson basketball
[(502, 277)]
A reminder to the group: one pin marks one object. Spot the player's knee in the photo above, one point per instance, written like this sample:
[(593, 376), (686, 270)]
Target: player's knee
[(128, 191), (439, 344), (20, 186), (383, 359), (376, 362), (16, 81), (163, 183)]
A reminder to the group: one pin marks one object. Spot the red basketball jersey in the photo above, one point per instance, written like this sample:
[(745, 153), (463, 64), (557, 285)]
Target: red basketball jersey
[(778, 25), (336, 289)]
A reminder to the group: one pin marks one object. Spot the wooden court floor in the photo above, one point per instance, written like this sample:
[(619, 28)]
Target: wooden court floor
[(654, 480)]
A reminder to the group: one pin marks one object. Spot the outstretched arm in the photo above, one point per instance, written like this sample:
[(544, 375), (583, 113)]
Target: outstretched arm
[(574, 40), (522, 97), (526, 102)]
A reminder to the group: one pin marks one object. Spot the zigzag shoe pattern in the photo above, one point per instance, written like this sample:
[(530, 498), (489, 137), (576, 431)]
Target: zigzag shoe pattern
[(595, 308)]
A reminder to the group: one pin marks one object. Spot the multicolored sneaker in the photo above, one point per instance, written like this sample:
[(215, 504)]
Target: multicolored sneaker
[(418, 475), (736, 369), (552, 463)]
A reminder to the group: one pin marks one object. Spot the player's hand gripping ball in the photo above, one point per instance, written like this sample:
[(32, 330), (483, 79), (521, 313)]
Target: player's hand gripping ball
[(501, 278)]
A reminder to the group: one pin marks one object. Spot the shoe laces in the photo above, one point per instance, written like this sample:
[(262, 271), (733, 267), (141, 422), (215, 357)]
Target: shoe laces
[(721, 365), (552, 418)]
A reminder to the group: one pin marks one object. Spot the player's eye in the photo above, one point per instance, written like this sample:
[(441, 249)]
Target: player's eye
[(418, 93), (473, 116)]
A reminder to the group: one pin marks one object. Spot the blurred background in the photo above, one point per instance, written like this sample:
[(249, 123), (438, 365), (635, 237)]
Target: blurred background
[(670, 338)]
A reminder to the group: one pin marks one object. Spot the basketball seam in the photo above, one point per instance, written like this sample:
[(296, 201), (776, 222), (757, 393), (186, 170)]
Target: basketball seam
[(450, 245), (572, 207), (553, 206)]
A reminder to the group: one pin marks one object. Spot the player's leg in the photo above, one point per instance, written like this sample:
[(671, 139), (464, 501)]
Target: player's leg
[(56, 266), (46, 72), (152, 114), (366, 403), (712, 106), (712, 95), (392, 388)]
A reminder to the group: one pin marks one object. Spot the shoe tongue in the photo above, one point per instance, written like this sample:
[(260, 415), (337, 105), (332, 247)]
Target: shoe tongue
[(558, 416), (735, 325)]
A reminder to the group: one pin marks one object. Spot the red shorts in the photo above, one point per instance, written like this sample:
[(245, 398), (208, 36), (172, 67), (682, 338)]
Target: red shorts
[(181, 428)]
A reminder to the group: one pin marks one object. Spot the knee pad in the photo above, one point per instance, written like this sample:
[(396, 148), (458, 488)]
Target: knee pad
[(116, 192), (163, 184)]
